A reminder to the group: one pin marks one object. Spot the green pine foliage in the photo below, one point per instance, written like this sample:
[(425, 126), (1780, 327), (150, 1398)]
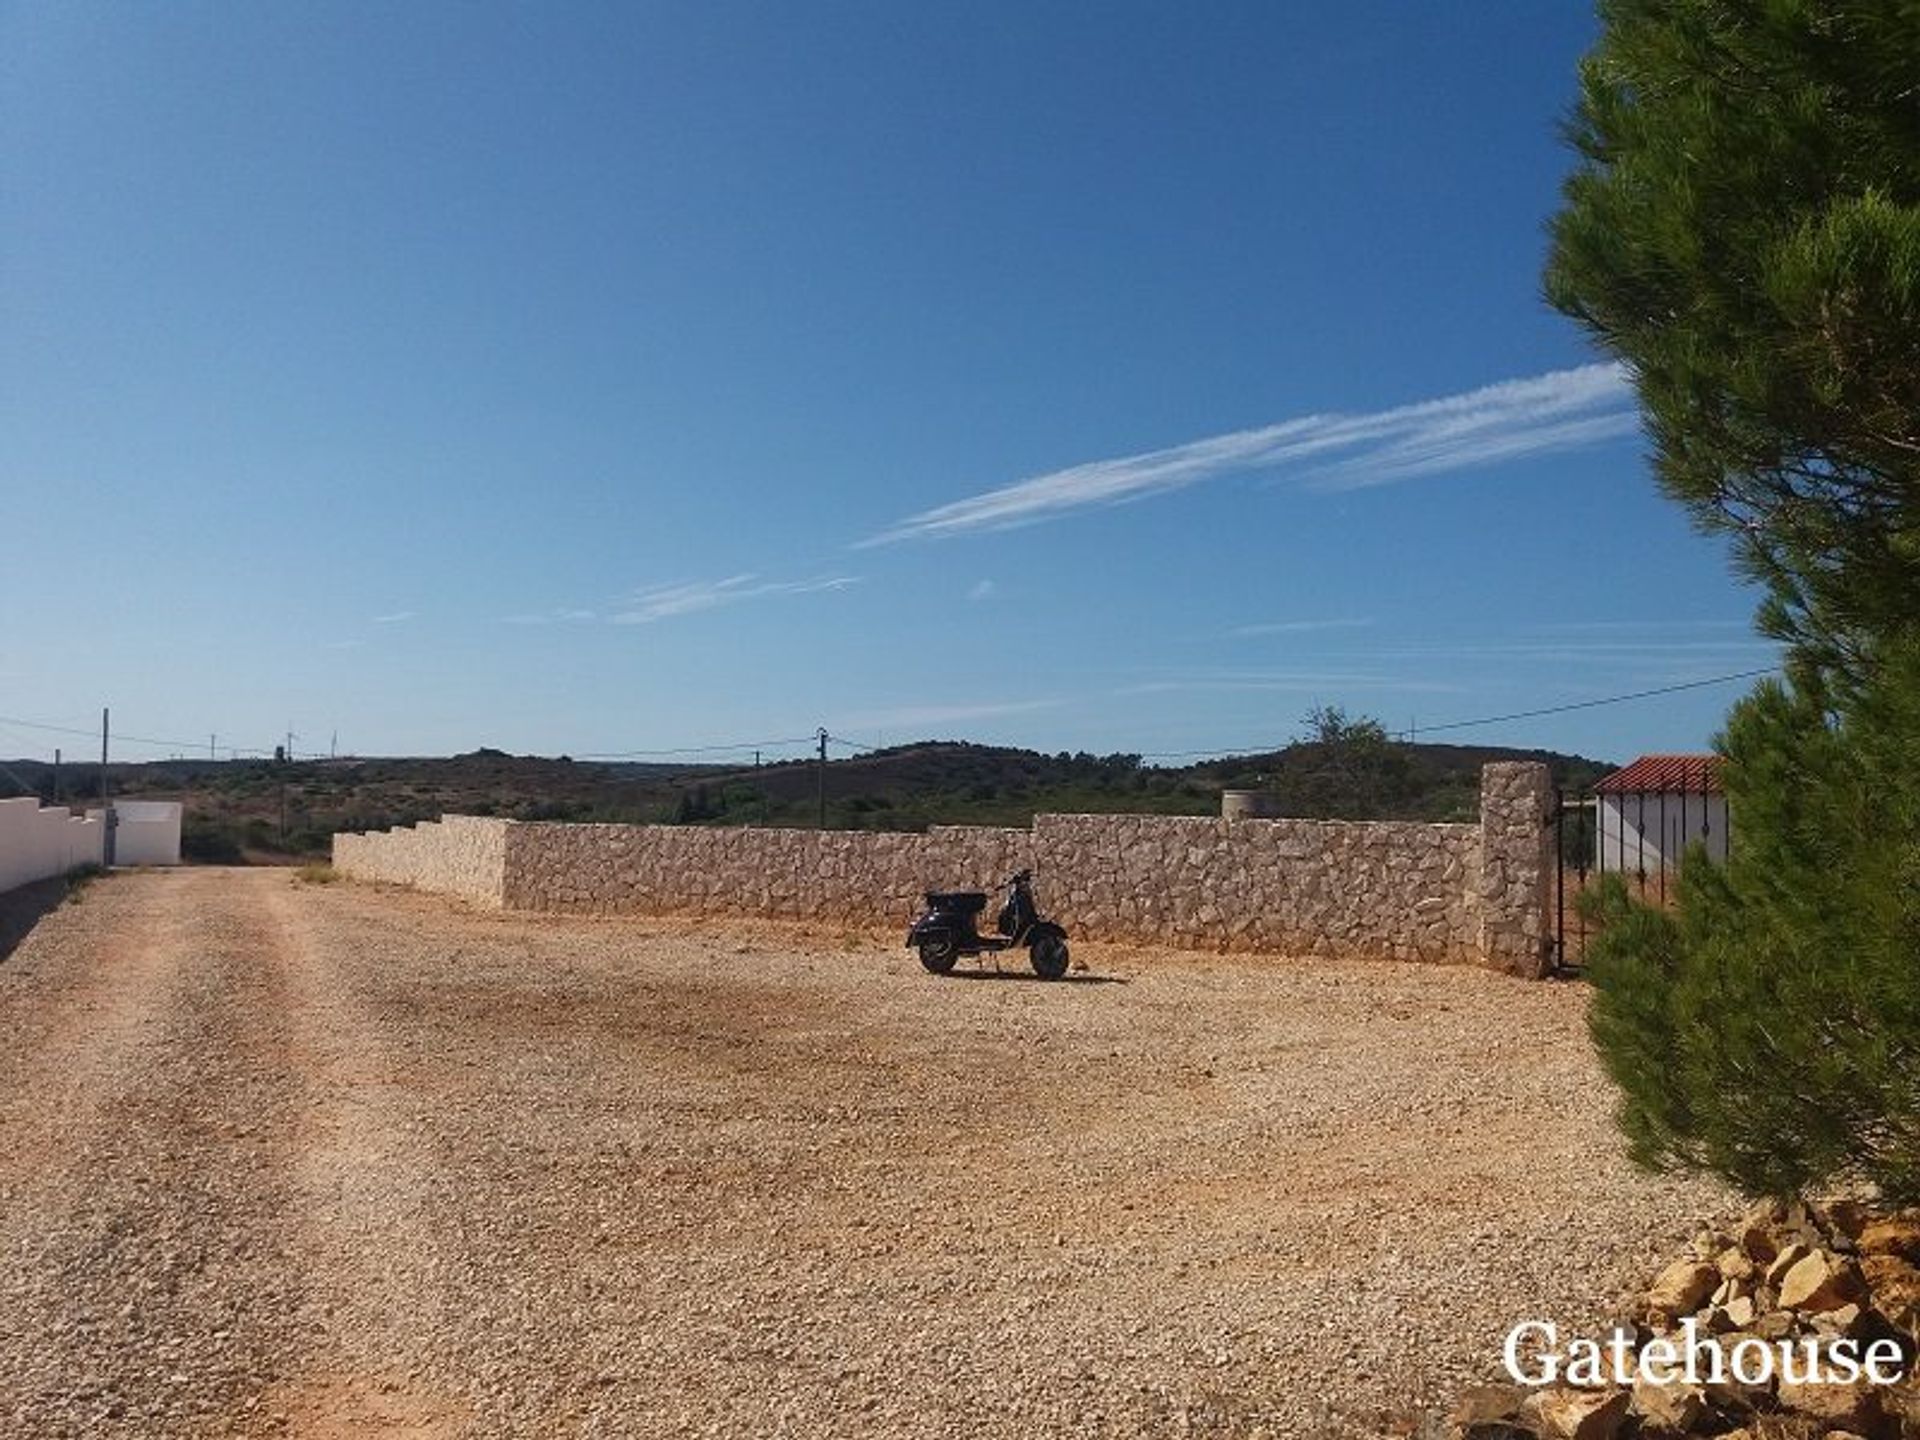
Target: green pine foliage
[(1743, 231), (1767, 1029)]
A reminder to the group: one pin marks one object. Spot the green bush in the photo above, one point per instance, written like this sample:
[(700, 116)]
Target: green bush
[(78, 879), (208, 842)]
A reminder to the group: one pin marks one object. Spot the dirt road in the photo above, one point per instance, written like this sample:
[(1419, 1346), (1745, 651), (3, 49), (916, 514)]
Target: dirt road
[(320, 1160)]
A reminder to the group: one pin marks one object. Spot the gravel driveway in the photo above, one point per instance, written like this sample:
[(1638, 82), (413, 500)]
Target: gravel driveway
[(324, 1160)]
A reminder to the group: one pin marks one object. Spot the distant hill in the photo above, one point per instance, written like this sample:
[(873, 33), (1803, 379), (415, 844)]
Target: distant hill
[(234, 808)]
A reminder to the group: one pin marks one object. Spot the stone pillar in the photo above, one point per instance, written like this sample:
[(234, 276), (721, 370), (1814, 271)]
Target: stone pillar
[(1516, 866)]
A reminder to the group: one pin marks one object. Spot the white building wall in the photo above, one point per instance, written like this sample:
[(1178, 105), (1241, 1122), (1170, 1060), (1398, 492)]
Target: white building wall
[(86, 841), (147, 832), (39, 842), (1652, 830)]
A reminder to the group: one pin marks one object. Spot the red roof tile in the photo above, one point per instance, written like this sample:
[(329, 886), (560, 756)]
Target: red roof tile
[(1671, 774)]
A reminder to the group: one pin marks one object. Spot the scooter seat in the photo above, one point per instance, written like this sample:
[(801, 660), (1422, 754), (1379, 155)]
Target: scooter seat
[(964, 902)]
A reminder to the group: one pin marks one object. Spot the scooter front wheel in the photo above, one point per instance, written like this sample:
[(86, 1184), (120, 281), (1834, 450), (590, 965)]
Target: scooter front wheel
[(1049, 957), (938, 952)]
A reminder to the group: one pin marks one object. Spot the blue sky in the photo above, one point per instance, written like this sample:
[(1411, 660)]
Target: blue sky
[(594, 379)]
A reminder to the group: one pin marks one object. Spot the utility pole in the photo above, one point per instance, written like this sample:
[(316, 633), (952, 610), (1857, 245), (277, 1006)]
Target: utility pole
[(333, 750), (56, 775), (823, 778), (210, 742), (286, 764), (106, 802)]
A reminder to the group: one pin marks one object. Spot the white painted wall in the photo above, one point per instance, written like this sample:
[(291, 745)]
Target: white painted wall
[(1653, 830), (39, 842), (146, 832)]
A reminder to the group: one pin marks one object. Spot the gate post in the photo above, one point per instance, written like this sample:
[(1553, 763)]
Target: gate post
[(1516, 867)]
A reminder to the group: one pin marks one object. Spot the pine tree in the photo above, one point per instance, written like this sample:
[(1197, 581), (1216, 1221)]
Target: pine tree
[(1768, 1028), (1743, 231)]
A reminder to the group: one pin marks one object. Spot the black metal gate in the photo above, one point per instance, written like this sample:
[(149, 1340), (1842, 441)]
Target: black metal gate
[(1604, 831), (1575, 825)]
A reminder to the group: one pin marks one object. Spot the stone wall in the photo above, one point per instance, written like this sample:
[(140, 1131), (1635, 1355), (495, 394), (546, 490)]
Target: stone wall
[(462, 855), (1343, 889), (853, 876), (1453, 894), (1517, 866)]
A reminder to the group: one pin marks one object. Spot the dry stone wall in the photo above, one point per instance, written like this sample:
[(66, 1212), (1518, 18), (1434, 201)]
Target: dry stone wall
[(852, 876), (1341, 889), (462, 855), (1452, 894), (1516, 868)]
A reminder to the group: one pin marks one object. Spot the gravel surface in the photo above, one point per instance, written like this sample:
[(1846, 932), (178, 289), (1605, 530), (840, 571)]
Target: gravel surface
[(280, 1158)]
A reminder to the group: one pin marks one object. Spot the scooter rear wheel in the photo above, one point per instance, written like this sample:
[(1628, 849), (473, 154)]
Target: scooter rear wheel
[(938, 953), (1049, 957)]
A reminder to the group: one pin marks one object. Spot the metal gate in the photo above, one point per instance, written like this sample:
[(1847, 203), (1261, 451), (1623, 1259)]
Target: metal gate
[(1637, 828), (1574, 823)]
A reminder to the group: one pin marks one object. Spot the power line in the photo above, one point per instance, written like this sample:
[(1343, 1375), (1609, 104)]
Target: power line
[(755, 746), (163, 743), (1491, 719), (16, 736), (151, 740), (1607, 700), (14, 775), (698, 749), (43, 725)]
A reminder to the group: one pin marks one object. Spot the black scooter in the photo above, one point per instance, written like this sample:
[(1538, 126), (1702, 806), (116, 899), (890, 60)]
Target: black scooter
[(947, 931)]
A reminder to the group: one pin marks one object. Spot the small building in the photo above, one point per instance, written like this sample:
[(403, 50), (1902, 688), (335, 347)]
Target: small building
[(1651, 811)]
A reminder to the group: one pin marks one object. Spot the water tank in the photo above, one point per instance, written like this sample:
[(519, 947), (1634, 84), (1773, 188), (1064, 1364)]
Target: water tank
[(1248, 805)]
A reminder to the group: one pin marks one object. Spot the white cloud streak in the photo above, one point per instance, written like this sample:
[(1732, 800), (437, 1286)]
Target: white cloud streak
[(561, 616), (398, 617), (907, 716), (1558, 651), (1291, 682), (1662, 626), (663, 602), (1560, 410), (1295, 627)]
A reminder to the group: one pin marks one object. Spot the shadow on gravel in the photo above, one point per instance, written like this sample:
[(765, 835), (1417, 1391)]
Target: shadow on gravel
[(1030, 979), (21, 909)]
